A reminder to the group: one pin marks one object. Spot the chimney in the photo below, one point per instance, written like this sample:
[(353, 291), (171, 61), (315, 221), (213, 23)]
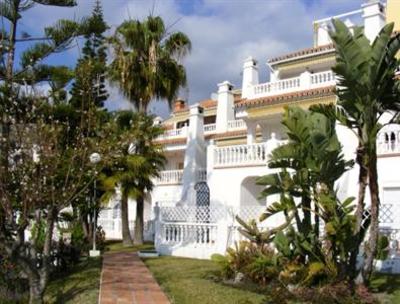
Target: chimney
[(374, 18), (225, 105), (195, 155), (323, 34), (179, 104), (250, 76)]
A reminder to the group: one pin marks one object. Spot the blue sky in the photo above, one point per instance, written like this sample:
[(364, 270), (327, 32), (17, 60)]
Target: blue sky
[(223, 33)]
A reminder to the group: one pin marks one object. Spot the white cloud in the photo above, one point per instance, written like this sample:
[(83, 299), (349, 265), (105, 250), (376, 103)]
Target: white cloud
[(223, 32)]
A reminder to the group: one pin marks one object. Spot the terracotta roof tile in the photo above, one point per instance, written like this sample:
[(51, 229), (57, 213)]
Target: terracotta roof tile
[(277, 99), (167, 126), (206, 104), (303, 52)]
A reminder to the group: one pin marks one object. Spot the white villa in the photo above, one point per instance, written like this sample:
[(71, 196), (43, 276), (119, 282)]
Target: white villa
[(218, 147)]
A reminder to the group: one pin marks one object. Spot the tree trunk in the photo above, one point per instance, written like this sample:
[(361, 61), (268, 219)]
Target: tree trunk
[(126, 235), (374, 227), (362, 185), (36, 291), (138, 237), (5, 130), (359, 214)]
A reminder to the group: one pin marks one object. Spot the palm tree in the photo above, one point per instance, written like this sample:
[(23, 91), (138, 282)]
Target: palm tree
[(366, 90), (146, 64), (138, 161)]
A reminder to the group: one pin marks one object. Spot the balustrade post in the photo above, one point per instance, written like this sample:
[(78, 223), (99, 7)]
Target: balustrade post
[(157, 227), (305, 80), (222, 233), (212, 158)]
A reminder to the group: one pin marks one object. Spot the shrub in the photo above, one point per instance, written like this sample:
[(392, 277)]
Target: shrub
[(13, 288), (258, 263), (262, 269)]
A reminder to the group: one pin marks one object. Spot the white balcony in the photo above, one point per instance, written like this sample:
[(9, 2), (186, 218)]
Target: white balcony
[(305, 81), (174, 177), (210, 128), (236, 124), (389, 140), (170, 177), (240, 155), (173, 133)]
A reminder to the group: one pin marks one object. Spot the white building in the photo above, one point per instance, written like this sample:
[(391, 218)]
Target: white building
[(217, 147)]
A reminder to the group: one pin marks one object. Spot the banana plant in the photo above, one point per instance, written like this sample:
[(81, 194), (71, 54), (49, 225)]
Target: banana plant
[(367, 89)]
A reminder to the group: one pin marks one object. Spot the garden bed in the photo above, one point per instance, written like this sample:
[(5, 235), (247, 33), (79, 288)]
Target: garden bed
[(188, 281)]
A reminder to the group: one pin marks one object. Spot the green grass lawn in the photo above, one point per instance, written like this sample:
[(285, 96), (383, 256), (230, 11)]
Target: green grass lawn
[(185, 281), (189, 281), (80, 284), (388, 287)]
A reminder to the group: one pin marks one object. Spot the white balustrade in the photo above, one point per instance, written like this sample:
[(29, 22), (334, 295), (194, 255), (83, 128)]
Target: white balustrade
[(175, 176), (182, 132), (280, 86), (322, 78), (305, 81), (210, 128), (389, 140), (170, 177), (198, 233), (255, 154), (236, 124)]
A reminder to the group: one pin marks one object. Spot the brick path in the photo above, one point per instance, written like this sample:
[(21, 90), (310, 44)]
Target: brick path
[(125, 279)]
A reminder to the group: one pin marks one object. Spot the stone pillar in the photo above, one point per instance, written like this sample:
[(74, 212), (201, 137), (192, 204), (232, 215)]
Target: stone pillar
[(251, 132), (195, 155), (157, 227), (273, 75), (223, 233), (305, 80), (210, 158), (250, 76), (225, 111), (374, 18), (265, 132), (272, 143)]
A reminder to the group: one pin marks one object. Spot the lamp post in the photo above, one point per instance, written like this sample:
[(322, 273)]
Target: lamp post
[(94, 159)]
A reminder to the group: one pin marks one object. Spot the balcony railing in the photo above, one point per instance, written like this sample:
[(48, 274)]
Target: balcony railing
[(210, 128), (271, 88), (236, 124), (175, 177), (170, 177), (322, 78), (230, 156), (303, 82), (182, 132)]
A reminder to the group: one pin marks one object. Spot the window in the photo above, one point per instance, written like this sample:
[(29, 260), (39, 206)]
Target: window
[(210, 119)]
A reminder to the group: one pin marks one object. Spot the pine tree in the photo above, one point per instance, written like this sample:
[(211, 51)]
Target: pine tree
[(89, 87)]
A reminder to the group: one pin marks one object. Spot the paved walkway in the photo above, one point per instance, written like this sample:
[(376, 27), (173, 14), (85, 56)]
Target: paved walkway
[(125, 279)]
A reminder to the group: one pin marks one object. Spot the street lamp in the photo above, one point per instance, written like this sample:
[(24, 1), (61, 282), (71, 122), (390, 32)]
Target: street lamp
[(94, 159)]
